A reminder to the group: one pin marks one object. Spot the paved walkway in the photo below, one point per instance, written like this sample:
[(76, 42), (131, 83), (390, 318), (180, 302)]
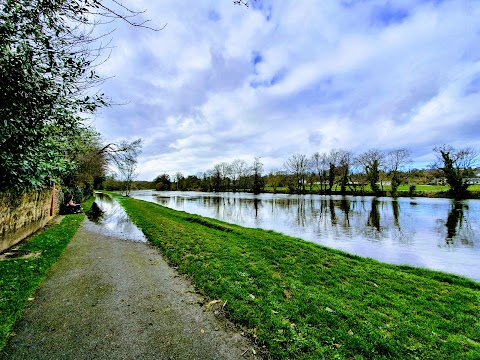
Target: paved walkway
[(109, 298)]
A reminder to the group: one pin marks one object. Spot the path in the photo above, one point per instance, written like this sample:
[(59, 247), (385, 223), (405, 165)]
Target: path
[(108, 298)]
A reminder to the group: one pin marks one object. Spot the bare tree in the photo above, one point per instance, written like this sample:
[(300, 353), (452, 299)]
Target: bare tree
[(257, 170), (395, 160), (297, 166), (238, 169), (124, 157), (319, 164), (124, 151)]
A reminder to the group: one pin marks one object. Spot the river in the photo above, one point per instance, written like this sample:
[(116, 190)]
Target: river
[(438, 234)]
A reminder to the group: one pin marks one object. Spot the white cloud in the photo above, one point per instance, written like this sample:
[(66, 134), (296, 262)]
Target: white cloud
[(223, 81)]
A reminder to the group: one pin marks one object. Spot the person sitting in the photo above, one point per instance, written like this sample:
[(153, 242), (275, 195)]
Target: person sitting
[(74, 207)]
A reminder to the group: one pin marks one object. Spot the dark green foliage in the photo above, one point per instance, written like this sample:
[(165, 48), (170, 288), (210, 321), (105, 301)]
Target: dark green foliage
[(457, 165), (305, 301), (162, 182), (45, 69), (454, 173), (373, 176)]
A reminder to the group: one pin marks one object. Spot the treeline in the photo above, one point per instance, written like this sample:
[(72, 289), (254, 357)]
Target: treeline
[(338, 171)]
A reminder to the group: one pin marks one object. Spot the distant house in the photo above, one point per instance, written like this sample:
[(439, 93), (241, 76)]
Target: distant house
[(443, 181), (439, 181), (472, 181)]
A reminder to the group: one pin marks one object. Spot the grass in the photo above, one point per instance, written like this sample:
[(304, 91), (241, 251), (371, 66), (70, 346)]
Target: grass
[(304, 301), (19, 278)]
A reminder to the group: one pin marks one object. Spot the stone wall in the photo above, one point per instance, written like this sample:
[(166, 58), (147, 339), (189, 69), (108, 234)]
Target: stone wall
[(23, 214)]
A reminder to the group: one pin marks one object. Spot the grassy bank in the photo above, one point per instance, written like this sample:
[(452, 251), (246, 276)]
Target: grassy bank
[(19, 277), (302, 300), (436, 191)]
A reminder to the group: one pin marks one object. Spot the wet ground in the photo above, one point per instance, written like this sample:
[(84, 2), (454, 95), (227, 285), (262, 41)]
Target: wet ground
[(112, 296)]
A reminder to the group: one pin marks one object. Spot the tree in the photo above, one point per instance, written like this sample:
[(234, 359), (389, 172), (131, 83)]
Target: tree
[(162, 182), (372, 162), (395, 160), (319, 164), (238, 169), (333, 158), (48, 55), (344, 162), (257, 170), (127, 173), (180, 180), (457, 165), (274, 179), (89, 163), (126, 162), (297, 166)]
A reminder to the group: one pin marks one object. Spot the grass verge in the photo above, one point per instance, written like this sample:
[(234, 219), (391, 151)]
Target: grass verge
[(305, 301), (19, 278)]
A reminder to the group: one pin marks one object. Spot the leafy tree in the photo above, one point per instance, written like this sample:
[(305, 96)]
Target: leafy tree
[(48, 56), (457, 165), (162, 182), (372, 161)]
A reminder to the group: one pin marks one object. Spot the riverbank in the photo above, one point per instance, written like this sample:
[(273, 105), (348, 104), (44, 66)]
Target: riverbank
[(22, 274), (429, 191), (305, 301), (112, 296)]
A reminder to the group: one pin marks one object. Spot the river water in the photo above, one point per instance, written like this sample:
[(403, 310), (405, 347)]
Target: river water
[(438, 234)]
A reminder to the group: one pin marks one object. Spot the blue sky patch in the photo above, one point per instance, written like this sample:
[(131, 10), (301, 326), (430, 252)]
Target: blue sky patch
[(256, 58), (388, 15), (264, 6), (473, 87), (275, 79), (213, 16)]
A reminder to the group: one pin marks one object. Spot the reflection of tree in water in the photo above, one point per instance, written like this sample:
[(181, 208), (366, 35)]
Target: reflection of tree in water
[(396, 212), (345, 206), (454, 220), (333, 217), (95, 214), (374, 216), (457, 229)]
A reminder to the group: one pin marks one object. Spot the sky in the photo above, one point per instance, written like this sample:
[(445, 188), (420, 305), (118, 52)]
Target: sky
[(222, 82)]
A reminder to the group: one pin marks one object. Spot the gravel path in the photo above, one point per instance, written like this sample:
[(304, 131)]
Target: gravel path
[(110, 298)]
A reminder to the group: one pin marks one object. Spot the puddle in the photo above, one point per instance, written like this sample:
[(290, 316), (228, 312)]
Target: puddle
[(107, 217)]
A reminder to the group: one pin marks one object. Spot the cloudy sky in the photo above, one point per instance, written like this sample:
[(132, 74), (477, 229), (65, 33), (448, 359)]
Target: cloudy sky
[(223, 82)]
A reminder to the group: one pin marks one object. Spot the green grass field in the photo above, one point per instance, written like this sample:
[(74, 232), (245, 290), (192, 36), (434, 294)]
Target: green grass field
[(419, 189), (19, 278), (304, 301)]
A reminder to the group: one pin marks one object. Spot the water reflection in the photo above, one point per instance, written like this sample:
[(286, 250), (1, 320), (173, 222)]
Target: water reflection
[(95, 214), (434, 233), (108, 218)]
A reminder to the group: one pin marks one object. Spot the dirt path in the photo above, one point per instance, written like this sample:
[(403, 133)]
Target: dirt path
[(109, 298)]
